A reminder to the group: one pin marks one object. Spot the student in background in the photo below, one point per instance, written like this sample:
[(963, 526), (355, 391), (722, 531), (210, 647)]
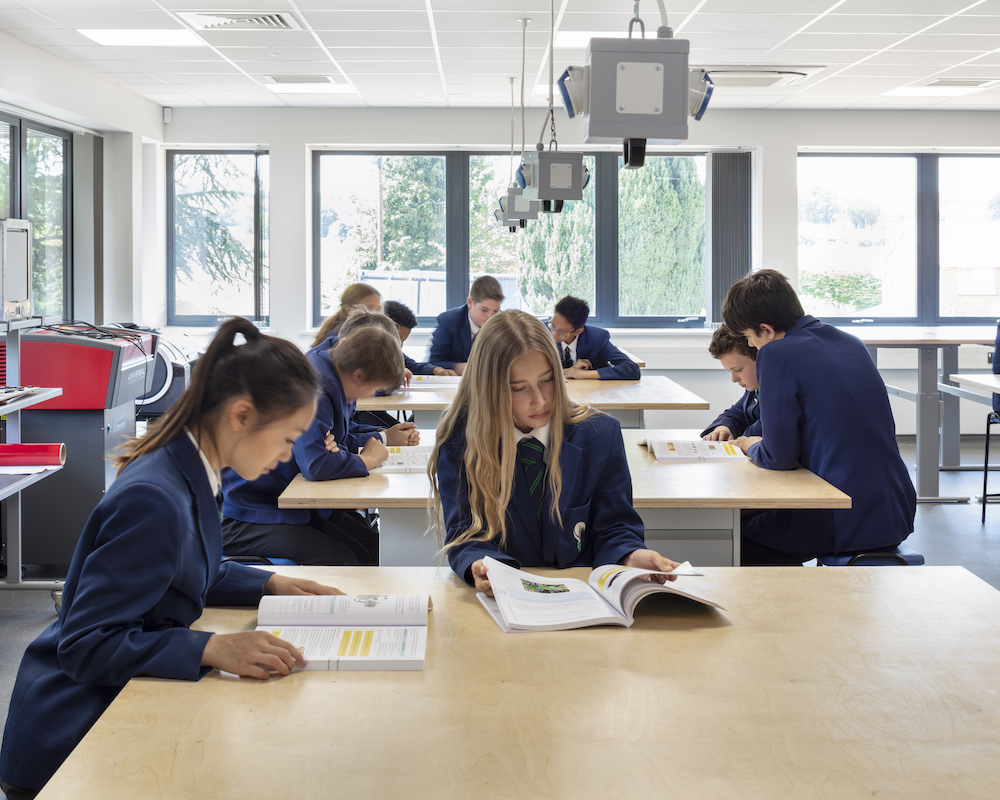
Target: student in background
[(363, 361), (520, 474), (586, 352), (825, 407), (150, 557), (357, 294), (742, 418), (456, 329), (406, 322)]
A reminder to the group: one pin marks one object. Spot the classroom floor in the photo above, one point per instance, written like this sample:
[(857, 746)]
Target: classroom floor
[(947, 534)]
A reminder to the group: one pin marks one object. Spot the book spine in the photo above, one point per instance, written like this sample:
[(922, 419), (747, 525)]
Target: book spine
[(32, 455)]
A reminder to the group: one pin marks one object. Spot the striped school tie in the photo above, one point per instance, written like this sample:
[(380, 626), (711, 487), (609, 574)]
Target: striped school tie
[(529, 453), (567, 358)]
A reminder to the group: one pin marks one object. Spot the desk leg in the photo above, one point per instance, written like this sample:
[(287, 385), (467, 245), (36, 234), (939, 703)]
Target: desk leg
[(737, 534), (423, 418), (403, 541), (950, 423), (929, 429), (628, 417)]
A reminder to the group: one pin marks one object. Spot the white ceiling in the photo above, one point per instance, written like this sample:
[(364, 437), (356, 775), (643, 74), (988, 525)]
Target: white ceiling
[(463, 52)]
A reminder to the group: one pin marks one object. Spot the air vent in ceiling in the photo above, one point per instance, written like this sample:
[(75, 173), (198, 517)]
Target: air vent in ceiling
[(963, 83), (301, 78), (241, 21), (735, 76)]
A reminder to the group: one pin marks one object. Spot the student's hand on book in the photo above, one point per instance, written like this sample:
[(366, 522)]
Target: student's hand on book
[(719, 434), (746, 442), (374, 453), (331, 444), (402, 434), (650, 559), (441, 371), (253, 654), (407, 377), (285, 584), (480, 579), (581, 374)]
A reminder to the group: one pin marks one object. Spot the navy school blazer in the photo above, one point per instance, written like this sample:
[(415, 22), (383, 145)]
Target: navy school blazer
[(742, 417), (146, 565), (451, 341), (825, 407), (596, 503), (257, 501), (611, 363)]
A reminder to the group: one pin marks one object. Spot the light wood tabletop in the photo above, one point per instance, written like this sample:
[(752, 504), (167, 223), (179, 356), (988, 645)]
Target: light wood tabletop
[(981, 381), (814, 683), (923, 336), (691, 511)]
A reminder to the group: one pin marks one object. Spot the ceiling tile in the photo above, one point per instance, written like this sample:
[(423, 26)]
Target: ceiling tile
[(139, 17), (367, 20)]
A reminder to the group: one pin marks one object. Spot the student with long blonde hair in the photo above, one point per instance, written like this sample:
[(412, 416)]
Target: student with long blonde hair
[(520, 474), (357, 294)]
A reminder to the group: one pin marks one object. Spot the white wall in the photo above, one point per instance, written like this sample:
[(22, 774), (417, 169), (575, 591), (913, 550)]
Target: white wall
[(135, 273)]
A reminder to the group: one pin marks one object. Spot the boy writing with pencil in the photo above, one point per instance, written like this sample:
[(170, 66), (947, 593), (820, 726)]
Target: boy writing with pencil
[(742, 418)]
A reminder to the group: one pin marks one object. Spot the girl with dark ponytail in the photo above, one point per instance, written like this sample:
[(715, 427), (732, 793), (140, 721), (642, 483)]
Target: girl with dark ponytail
[(149, 558)]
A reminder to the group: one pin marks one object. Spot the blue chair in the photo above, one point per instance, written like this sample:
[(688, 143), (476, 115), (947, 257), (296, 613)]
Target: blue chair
[(891, 557), (992, 418), (270, 561)]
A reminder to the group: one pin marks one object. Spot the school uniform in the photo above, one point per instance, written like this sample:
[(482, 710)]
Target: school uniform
[(742, 417), (599, 524), (594, 344), (269, 530), (825, 407), (451, 341), (146, 565)]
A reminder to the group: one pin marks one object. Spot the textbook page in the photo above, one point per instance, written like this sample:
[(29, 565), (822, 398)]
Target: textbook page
[(362, 648), (532, 602), (339, 609), (433, 382), (406, 458), (680, 451), (624, 587)]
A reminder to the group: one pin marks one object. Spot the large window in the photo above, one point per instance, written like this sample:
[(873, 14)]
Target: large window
[(380, 219), (35, 184), (218, 234), (858, 236), (421, 228)]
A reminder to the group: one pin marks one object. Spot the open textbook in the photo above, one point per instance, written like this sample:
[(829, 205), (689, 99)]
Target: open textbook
[(686, 451), (406, 458), (350, 632), (434, 382), (525, 602)]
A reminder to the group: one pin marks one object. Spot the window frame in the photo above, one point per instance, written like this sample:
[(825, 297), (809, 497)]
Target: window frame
[(260, 287)]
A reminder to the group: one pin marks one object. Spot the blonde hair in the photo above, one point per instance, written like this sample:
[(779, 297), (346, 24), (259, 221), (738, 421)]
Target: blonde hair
[(352, 296), (374, 351), (361, 317), (482, 411)]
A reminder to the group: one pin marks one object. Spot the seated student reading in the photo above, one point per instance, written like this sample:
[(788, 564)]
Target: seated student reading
[(520, 474), (825, 407), (149, 557), (406, 322), (357, 294), (333, 446), (458, 327), (742, 418), (586, 352)]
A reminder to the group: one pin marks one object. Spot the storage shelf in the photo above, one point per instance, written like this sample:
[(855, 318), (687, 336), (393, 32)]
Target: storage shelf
[(23, 481), (38, 396)]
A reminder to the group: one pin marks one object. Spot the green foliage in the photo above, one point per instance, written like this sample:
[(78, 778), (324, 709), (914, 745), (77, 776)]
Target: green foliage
[(846, 290), (661, 239), (820, 207), (995, 209), (45, 183), (210, 188)]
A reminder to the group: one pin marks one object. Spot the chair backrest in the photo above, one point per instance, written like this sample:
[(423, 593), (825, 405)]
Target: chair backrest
[(996, 367)]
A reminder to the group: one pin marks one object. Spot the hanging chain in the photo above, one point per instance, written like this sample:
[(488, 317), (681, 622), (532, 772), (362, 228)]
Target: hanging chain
[(635, 19), (553, 142)]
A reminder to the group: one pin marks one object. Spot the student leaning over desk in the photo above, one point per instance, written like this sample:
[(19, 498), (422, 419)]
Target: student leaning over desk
[(586, 352), (742, 418), (825, 408), (149, 558), (365, 358), (520, 474)]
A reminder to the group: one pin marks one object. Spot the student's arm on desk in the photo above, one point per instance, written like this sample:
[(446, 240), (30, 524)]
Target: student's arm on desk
[(780, 416), (746, 442), (318, 462)]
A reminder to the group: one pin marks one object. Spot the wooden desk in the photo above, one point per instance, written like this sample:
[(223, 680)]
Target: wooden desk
[(814, 683), (635, 359), (626, 400), (985, 384), (691, 511), (937, 406)]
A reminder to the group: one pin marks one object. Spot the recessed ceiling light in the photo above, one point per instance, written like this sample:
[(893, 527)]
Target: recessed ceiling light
[(166, 37), (931, 91), (311, 88)]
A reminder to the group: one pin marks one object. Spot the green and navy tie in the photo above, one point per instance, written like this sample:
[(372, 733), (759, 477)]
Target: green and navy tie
[(529, 453)]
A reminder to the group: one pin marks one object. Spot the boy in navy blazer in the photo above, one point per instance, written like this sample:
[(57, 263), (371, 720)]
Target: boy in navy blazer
[(742, 418), (406, 322), (586, 352), (451, 341), (825, 408)]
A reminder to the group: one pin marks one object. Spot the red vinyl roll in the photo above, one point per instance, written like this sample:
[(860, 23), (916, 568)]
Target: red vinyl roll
[(32, 455)]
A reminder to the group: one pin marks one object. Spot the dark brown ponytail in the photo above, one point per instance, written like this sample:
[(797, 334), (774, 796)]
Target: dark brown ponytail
[(271, 372)]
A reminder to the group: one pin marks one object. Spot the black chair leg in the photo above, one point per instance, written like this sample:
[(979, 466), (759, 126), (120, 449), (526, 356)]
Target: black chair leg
[(986, 463)]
